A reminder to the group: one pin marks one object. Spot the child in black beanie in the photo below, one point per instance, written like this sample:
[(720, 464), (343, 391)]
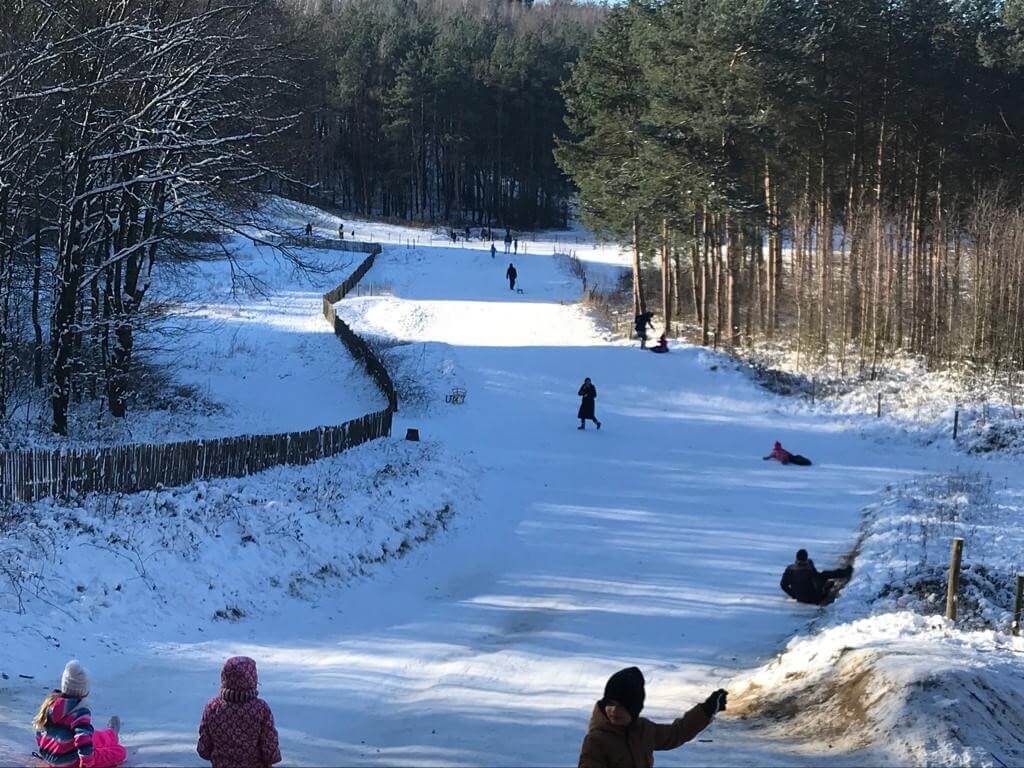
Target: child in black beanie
[(619, 738)]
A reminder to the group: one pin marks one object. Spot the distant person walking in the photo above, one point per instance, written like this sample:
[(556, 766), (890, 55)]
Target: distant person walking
[(806, 584), (341, 231), (641, 323), (64, 731), (493, 250), (587, 407), (508, 241), (515, 245), (511, 274), (237, 728), (309, 230)]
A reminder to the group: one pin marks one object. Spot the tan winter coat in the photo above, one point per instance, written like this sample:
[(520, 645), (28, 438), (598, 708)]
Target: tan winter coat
[(611, 746)]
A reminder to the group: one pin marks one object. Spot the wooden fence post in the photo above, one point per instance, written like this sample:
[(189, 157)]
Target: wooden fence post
[(1018, 605), (878, 413), (953, 585), (956, 422)]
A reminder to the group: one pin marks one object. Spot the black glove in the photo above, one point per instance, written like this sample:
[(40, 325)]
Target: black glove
[(715, 703)]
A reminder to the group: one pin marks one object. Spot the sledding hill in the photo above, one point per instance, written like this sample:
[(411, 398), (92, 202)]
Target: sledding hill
[(656, 541)]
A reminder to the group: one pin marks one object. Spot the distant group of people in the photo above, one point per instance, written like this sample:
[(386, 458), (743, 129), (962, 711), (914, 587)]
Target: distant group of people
[(236, 731), (641, 323), (801, 580), (341, 231)]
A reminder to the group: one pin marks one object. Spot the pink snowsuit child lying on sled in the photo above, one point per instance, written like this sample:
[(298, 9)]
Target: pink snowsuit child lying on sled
[(783, 456), (64, 729)]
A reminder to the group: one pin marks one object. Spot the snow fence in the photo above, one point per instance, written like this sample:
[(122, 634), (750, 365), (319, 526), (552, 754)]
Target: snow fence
[(27, 475)]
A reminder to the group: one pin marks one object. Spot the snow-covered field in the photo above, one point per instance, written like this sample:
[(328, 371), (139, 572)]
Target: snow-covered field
[(917, 404), (248, 351), (657, 541)]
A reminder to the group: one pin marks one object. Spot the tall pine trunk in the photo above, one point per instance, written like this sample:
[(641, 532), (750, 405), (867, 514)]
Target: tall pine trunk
[(666, 277)]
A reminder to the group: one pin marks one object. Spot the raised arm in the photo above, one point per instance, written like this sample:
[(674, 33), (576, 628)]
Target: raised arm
[(81, 725), (681, 730)]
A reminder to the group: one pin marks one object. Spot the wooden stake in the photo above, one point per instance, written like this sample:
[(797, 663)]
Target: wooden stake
[(956, 555), (878, 413), (956, 422), (1018, 606)]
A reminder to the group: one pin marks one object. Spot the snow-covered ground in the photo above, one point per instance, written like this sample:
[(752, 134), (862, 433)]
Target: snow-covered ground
[(656, 541), (247, 349), (917, 404)]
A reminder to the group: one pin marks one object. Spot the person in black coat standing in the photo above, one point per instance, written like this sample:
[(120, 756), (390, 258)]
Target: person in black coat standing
[(641, 323), (806, 584), (511, 274), (589, 394)]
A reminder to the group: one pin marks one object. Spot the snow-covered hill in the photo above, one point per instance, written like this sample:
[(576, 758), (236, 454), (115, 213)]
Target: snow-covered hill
[(657, 541)]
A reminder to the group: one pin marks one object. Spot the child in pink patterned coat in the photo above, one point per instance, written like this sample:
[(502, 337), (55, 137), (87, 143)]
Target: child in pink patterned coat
[(238, 727)]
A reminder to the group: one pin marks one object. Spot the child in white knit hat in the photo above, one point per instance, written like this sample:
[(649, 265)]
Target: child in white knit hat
[(64, 729)]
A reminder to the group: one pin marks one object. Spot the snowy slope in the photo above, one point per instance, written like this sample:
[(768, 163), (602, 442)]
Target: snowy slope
[(657, 541), (247, 349)]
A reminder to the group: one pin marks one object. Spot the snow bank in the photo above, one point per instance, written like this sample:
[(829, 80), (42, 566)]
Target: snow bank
[(884, 671), (174, 560), (918, 404)]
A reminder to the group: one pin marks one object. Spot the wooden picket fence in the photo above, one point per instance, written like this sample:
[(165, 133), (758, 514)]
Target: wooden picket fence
[(357, 347), (33, 474)]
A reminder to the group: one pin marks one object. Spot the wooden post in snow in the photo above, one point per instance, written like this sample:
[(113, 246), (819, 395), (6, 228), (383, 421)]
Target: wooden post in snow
[(878, 413), (953, 585), (956, 421), (1018, 606)]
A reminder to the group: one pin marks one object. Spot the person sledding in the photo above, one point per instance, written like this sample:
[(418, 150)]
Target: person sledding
[(662, 346), (589, 394), (618, 737), (783, 456), (64, 730), (806, 584), (640, 324)]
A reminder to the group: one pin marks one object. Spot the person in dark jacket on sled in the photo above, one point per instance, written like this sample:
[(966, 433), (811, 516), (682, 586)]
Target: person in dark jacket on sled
[(806, 584)]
